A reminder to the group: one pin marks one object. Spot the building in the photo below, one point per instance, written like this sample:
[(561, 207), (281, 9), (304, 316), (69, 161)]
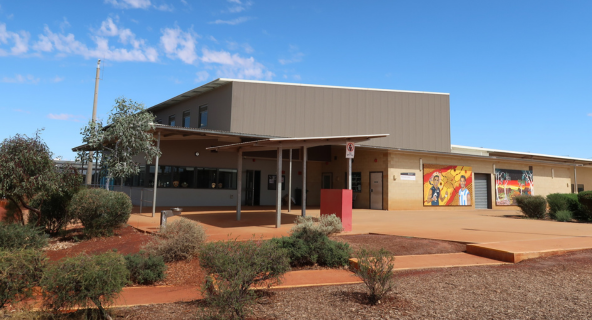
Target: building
[(414, 167)]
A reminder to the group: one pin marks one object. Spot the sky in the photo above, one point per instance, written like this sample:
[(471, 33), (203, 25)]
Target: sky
[(519, 73)]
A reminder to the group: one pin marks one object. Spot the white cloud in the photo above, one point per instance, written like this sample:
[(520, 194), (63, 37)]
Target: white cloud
[(248, 49), (164, 7), (57, 79), (64, 25), (18, 78), (18, 42), (235, 66), (67, 44), (239, 6), (202, 76), (297, 77), (589, 114), (295, 56), (22, 111), (65, 117), (213, 39), (232, 22), (130, 4), (179, 44)]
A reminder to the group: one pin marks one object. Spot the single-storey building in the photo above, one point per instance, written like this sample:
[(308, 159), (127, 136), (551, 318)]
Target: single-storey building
[(209, 137)]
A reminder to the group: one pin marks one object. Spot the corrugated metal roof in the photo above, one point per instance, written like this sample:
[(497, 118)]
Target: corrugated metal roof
[(521, 155)]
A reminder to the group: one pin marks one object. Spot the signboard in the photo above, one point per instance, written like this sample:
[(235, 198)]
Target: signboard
[(271, 183), (408, 176), (350, 149)]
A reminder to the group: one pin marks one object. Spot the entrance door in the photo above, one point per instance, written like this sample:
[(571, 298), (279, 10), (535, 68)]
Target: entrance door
[(482, 193), (327, 180), (376, 190), (253, 188)]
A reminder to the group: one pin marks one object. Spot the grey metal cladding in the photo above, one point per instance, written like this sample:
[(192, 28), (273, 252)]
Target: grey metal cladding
[(414, 120)]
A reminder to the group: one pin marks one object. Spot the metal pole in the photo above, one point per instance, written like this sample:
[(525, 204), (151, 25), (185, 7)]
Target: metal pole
[(290, 184), (349, 174), (141, 199), (304, 158), (575, 180), (155, 178), (239, 187), (278, 184), (94, 118)]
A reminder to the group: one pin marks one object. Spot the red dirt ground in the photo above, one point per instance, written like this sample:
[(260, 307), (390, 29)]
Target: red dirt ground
[(126, 240), (400, 246)]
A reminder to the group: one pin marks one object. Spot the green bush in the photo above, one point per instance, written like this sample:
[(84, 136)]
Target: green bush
[(375, 268), (15, 236), (236, 267), (101, 211), (327, 224), (180, 240), (309, 247), (532, 206), (565, 201), (585, 199), (78, 281), (20, 272), (145, 269), (563, 216)]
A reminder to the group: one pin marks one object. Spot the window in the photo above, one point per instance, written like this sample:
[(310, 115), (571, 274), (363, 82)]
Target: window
[(203, 116), (172, 120), (186, 119), (580, 188), (159, 121), (356, 181), (191, 177)]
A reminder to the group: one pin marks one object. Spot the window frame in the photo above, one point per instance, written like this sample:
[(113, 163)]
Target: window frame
[(174, 121), (174, 171), (186, 123), (201, 110)]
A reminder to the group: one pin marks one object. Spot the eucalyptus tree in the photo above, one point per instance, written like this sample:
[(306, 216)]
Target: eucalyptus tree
[(127, 135)]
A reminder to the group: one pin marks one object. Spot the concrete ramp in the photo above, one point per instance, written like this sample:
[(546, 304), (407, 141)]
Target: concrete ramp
[(445, 260), (516, 251)]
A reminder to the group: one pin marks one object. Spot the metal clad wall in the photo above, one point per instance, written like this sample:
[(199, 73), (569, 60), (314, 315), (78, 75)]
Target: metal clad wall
[(413, 120)]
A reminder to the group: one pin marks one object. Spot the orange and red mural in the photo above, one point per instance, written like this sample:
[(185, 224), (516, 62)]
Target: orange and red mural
[(447, 185), (512, 183)]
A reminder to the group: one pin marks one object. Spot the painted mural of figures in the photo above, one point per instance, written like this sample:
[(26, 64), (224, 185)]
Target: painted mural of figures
[(464, 196), (434, 195)]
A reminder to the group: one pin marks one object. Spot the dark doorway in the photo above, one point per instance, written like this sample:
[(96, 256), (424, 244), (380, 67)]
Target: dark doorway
[(253, 192), (482, 191)]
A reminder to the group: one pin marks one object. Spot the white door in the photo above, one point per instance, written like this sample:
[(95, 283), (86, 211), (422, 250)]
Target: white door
[(376, 190)]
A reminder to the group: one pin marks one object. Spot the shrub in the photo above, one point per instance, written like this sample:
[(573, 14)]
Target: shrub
[(100, 210), (309, 246), (532, 206), (180, 240), (565, 201), (563, 216), (585, 199), (236, 267), (15, 236), (20, 272), (327, 224), (77, 281), (375, 268), (145, 269)]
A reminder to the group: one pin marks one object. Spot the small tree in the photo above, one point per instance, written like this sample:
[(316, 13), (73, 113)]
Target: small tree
[(375, 268), (126, 136), (26, 171)]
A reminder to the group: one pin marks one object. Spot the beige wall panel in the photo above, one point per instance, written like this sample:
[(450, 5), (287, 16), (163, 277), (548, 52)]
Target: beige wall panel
[(414, 120), (218, 102), (584, 176)]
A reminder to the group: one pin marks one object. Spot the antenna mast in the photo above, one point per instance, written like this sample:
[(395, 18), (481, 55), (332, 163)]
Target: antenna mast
[(89, 169)]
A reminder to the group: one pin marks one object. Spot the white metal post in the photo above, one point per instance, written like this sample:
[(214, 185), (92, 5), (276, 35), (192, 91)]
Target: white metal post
[(155, 178), (89, 168), (278, 184), (349, 173), (239, 187), (290, 184), (304, 158)]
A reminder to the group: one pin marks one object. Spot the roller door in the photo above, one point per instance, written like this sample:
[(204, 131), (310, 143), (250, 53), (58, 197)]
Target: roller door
[(482, 193)]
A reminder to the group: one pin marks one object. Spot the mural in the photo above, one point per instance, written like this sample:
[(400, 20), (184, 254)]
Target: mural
[(511, 183), (447, 185)]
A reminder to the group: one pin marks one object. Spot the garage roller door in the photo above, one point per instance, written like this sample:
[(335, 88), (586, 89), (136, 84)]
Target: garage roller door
[(482, 191)]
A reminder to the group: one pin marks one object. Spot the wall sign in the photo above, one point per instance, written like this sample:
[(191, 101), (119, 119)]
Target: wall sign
[(409, 176), (271, 182)]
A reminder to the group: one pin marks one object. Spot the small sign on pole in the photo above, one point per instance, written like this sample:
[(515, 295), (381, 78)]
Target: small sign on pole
[(350, 149)]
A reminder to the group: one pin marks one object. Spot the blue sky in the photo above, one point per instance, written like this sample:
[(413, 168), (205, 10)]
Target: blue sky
[(518, 72)]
